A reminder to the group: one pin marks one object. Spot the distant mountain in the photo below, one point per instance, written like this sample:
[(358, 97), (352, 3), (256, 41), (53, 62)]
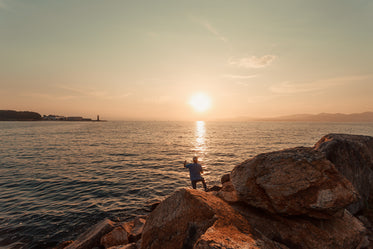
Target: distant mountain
[(321, 117), (325, 117), (9, 115)]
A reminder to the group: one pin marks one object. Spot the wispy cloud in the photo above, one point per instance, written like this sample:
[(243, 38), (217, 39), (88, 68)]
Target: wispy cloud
[(158, 99), (47, 96), (214, 31), (259, 99), (239, 77), (74, 92), (289, 87), (210, 28), (253, 61)]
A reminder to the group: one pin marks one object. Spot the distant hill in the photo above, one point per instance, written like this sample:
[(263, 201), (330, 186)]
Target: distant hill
[(325, 117), (9, 115), (321, 117)]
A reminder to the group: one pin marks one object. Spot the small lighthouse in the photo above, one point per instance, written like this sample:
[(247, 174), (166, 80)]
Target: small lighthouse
[(98, 117)]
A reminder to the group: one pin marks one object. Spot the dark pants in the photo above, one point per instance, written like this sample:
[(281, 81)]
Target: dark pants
[(194, 183)]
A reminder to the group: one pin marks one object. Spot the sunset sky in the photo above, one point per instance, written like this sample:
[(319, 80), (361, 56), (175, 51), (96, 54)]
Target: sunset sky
[(146, 60)]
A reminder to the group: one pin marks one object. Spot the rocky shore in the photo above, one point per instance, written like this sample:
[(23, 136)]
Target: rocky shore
[(304, 197)]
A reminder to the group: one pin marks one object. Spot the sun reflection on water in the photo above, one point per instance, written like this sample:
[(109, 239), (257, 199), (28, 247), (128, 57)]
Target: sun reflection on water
[(200, 136), (200, 146)]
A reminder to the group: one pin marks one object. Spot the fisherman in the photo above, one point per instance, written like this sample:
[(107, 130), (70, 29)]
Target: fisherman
[(195, 170)]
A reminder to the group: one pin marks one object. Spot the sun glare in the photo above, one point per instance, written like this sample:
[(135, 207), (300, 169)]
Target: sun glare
[(200, 102)]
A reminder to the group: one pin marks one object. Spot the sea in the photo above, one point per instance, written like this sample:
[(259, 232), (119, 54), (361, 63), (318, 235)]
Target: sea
[(59, 178)]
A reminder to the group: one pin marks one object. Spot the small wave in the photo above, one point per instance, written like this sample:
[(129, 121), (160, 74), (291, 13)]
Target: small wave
[(219, 154), (124, 154)]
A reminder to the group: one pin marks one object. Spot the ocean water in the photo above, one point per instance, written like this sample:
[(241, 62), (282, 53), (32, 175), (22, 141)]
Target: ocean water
[(59, 178)]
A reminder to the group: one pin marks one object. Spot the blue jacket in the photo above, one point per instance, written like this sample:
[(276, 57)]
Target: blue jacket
[(195, 170)]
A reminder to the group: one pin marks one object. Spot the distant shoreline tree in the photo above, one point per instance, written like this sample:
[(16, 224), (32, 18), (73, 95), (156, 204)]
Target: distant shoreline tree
[(10, 115)]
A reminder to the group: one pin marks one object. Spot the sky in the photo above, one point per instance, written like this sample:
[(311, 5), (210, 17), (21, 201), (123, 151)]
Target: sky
[(146, 60)]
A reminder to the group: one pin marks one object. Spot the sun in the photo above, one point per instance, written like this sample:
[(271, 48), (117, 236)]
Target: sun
[(200, 102)]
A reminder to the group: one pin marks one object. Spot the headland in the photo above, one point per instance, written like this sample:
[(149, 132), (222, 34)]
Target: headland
[(11, 115)]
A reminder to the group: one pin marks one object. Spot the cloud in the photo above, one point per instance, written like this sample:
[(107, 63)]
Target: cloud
[(239, 77), (259, 99), (253, 61), (289, 87), (75, 92), (210, 28), (158, 99)]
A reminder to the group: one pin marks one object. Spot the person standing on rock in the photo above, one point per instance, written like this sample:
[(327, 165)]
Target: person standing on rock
[(195, 170)]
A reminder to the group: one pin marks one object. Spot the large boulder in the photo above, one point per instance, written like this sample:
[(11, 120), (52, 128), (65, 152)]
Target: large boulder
[(352, 155), (195, 219), (297, 181), (341, 231)]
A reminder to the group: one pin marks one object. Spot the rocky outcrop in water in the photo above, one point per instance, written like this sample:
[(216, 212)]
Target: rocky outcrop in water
[(294, 198)]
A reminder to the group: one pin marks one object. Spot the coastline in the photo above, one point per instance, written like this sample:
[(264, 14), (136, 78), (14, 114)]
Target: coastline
[(11, 115), (314, 210), (48, 120)]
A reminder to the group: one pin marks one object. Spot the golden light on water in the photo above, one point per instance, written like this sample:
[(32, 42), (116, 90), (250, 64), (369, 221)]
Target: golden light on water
[(200, 136), (200, 144), (200, 140)]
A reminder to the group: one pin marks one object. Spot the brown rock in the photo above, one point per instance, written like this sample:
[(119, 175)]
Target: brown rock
[(228, 193), (128, 246), (118, 236), (63, 244), (229, 237), (365, 221), (134, 228), (138, 243), (298, 181), (225, 178), (91, 238), (343, 231), (214, 189), (352, 155), (192, 218), (152, 206), (138, 227)]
